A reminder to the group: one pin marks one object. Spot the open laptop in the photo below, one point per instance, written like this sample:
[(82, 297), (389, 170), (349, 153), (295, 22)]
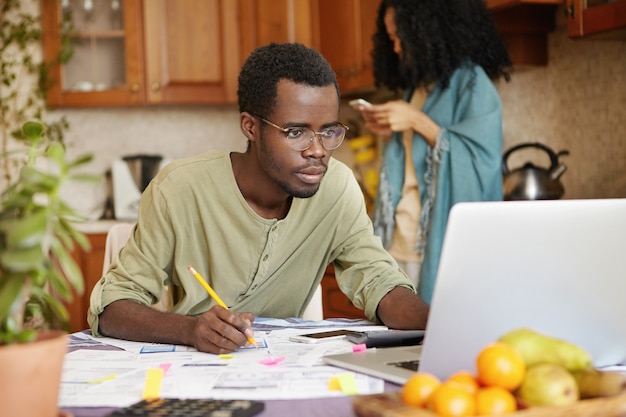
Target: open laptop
[(558, 267)]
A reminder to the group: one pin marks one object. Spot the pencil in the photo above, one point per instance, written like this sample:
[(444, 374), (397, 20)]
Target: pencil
[(214, 295)]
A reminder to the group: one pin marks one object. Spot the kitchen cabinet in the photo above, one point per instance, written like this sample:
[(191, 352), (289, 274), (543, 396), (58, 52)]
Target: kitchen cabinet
[(90, 264), (340, 29), (524, 26), (191, 50), (596, 17), (334, 302), (346, 28), (146, 52), (107, 63)]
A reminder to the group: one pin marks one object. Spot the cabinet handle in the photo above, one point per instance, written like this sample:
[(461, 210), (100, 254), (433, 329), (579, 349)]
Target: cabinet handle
[(569, 10), (134, 88), (155, 86)]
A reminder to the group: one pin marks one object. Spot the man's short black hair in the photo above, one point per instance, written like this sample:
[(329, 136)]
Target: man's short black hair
[(267, 65)]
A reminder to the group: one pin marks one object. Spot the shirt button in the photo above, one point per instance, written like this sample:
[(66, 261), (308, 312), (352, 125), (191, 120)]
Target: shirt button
[(265, 257)]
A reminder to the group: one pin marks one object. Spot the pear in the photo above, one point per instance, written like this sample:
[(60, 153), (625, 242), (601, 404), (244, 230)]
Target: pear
[(548, 384), (594, 383), (540, 348)]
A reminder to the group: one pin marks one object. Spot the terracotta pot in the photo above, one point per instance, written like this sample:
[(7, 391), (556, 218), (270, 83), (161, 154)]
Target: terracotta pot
[(30, 376)]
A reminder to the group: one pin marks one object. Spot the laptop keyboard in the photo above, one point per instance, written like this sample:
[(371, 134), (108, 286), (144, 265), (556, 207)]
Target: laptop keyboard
[(411, 365)]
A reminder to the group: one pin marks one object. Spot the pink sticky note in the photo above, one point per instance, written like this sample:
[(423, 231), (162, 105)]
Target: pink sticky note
[(165, 367), (359, 348), (269, 361)]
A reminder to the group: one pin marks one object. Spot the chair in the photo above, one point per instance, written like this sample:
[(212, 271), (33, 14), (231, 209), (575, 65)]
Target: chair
[(119, 234)]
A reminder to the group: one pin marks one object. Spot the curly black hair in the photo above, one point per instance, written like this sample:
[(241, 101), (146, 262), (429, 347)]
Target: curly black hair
[(437, 37), (267, 65)]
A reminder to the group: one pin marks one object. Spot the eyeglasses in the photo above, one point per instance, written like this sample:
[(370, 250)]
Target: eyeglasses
[(301, 138)]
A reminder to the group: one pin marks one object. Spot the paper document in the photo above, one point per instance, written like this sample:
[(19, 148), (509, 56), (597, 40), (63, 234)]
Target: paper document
[(106, 372)]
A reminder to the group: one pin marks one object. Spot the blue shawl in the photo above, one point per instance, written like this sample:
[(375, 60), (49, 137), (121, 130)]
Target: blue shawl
[(464, 164)]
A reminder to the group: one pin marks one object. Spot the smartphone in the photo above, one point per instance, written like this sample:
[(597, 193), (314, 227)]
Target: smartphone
[(321, 336), (359, 102)]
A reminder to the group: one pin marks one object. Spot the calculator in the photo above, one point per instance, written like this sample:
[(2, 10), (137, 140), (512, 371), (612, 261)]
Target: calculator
[(170, 407)]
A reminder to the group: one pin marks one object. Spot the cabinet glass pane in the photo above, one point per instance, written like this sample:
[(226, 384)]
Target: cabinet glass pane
[(98, 64), (98, 40)]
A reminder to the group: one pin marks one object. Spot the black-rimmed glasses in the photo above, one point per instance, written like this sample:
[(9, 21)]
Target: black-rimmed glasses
[(300, 138)]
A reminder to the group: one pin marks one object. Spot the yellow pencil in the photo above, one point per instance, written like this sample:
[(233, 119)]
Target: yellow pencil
[(214, 295)]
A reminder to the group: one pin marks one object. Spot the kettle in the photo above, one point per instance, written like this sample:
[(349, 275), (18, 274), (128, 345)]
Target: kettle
[(530, 182)]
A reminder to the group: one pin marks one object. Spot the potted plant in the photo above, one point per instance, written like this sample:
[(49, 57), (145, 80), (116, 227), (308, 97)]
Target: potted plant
[(37, 272)]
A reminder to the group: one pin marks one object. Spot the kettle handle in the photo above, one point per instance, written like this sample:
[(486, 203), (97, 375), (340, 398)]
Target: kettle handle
[(554, 158)]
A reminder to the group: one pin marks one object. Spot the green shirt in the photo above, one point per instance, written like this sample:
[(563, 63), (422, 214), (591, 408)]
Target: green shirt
[(193, 213)]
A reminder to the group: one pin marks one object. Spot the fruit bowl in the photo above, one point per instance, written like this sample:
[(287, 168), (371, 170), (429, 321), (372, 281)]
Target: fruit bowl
[(390, 405)]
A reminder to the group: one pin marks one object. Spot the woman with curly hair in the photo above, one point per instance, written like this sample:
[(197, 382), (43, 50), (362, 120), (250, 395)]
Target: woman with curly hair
[(443, 141)]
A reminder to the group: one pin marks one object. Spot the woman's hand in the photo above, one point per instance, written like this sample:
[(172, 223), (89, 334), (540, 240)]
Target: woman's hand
[(398, 116)]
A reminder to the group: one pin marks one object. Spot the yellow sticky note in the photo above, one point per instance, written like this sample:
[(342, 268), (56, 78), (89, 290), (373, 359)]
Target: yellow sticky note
[(226, 356), (152, 387), (333, 384), (348, 384), (104, 379)]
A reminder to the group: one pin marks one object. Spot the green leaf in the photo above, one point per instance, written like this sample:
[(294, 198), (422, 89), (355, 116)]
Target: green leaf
[(55, 305), (56, 152), (33, 130), (26, 335), (91, 178), (25, 232), (60, 285), (38, 181), (68, 267), (10, 292), (22, 260), (80, 160)]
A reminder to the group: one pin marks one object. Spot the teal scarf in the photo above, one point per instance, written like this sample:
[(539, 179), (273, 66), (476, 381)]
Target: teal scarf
[(464, 164)]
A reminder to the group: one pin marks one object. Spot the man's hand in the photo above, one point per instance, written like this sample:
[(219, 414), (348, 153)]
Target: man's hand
[(221, 331), (217, 331), (402, 309)]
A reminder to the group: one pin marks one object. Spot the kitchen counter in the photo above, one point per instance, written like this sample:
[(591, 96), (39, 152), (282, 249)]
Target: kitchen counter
[(98, 226)]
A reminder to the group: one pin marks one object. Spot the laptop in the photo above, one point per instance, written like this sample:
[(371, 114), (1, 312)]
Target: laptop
[(557, 266)]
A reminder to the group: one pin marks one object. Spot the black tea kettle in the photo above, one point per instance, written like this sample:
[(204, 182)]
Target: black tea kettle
[(530, 182)]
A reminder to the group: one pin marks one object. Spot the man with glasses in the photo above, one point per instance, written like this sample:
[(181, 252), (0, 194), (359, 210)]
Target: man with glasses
[(259, 226)]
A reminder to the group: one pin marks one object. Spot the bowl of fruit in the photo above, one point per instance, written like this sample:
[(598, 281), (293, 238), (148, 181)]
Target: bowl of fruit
[(523, 373)]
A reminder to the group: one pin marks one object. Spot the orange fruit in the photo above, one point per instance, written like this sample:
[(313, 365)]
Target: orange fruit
[(465, 380), (500, 365), (452, 400), (418, 388), (494, 400)]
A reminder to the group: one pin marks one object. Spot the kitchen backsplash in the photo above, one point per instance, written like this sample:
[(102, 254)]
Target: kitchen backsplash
[(576, 103)]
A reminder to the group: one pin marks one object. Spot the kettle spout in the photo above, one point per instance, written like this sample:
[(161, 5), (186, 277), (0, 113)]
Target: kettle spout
[(558, 172)]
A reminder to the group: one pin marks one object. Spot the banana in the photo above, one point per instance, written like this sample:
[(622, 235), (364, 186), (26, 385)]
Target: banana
[(539, 348), (596, 383)]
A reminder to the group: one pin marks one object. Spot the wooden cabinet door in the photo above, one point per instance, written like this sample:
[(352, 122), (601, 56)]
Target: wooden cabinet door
[(340, 29), (107, 65), (584, 18), (191, 50), (346, 28), (265, 21), (334, 302), (90, 264), (503, 4)]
